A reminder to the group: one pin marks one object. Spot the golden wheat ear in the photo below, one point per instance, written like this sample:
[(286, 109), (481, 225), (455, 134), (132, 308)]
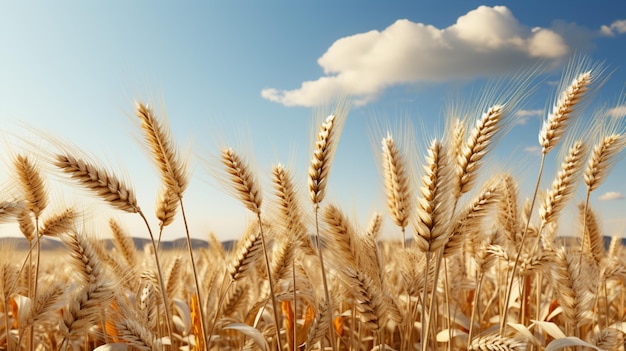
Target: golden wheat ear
[(35, 192), (172, 167), (564, 185), (99, 181), (242, 179), (324, 149), (397, 183), (435, 205), (554, 127)]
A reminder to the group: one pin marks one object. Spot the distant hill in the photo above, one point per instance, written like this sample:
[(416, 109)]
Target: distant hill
[(181, 243), (55, 244)]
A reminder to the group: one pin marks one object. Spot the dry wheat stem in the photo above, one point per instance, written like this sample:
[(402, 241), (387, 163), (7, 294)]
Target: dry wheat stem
[(160, 275), (249, 192), (510, 280), (269, 278), (195, 273)]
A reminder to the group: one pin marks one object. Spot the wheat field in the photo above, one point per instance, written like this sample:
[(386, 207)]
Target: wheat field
[(473, 263)]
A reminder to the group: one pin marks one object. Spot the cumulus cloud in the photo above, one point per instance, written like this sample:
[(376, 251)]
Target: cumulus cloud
[(523, 116), (484, 42), (611, 195), (617, 111), (617, 27)]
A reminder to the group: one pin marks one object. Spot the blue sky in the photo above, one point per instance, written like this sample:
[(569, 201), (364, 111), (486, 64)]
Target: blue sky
[(251, 73)]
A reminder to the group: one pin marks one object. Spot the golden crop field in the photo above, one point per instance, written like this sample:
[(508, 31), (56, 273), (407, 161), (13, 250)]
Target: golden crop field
[(481, 266)]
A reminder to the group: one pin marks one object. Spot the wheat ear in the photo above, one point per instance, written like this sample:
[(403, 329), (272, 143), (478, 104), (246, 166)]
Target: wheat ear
[(397, 184), (600, 162), (124, 243), (592, 236), (574, 288), (289, 207), (99, 181), (557, 122), (246, 187), (59, 223), (564, 185), (323, 153), (475, 148), (27, 224), (10, 210), (492, 342), (434, 206), (171, 166), (248, 253), (33, 185)]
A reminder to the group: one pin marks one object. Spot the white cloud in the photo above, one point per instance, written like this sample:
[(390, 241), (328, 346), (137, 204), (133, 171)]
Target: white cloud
[(536, 150), (523, 116), (611, 195), (617, 111), (484, 42), (617, 27)]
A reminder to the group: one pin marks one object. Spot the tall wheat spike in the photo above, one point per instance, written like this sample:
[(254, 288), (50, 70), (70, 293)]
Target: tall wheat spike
[(172, 167), (99, 181), (564, 185), (434, 206), (557, 122), (397, 184), (476, 146)]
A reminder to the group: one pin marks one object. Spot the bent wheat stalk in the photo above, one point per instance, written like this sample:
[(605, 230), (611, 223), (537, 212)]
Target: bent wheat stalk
[(249, 192)]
